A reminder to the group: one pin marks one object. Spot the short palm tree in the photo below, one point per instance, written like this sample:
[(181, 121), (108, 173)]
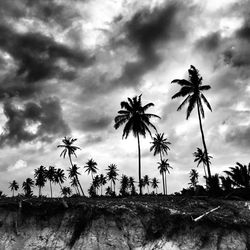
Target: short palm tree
[(50, 175), (131, 185), (73, 174), (146, 181), (60, 177), (132, 115), (163, 168), (124, 185), (27, 185), (192, 91), (40, 178), (66, 191), (103, 181), (154, 183), (96, 183), (69, 149), (160, 145), (91, 167), (13, 187), (112, 173), (73, 183), (200, 157), (193, 176)]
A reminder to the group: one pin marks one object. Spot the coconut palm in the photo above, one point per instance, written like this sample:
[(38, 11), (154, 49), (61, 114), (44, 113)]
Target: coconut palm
[(131, 185), (69, 149), (40, 178), (146, 182), (13, 187), (96, 183), (73, 174), (160, 145), (200, 157), (163, 168), (50, 175), (66, 191), (112, 173), (103, 181), (60, 177), (133, 116), (91, 167), (240, 175), (27, 185), (192, 91), (124, 185), (193, 176), (154, 183)]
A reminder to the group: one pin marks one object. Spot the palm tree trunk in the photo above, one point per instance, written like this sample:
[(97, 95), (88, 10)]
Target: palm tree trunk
[(139, 163), (40, 193), (80, 185), (111, 185), (166, 188), (203, 141), (50, 189), (13, 193), (163, 183)]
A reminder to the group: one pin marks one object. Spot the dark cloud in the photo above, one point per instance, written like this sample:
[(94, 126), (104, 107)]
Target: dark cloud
[(147, 31), (93, 139), (38, 56), (47, 116), (210, 42), (95, 122), (244, 32), (239, 136)]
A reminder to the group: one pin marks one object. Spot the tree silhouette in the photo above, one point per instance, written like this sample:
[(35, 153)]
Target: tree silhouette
[(73, 174), (96, 183), (154, 183), (74, 184), (40, 178), (163, 168), (131, 185), (69, 148), (66, 191), (103, 181), (59, 177), (146, 182), (50, 175), (192, 91), (240, 175), (13, 187), (124, 185), (27, 185), (91, 167), (132, 115), (112, 173), (193, 176)]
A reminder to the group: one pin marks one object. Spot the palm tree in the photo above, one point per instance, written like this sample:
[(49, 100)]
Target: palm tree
[(133, 116), (102, 180), (96, 183), (240, 175), (131, 185), (160, 145), (200, 157), (73, 174), (74, 184), (50, 175), (60, 177), (69, 149), (40, 178), (124, 185), (192, 91), (146, 181), (193, 176), (112, 173), (27, 185), (91, 167), (163, 168), (155, 183), (66, 191), (13, 187)]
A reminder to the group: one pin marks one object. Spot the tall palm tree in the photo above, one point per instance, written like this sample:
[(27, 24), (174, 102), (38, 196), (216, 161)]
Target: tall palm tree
[(103, 181), (112, 173), (13, 187), (50, 175), (163, 168), (69, 148), (60, 177), (200, 157), (133, 116), (40, 178), (192, 91), (91, 167), (155, 183), (146, 181), (160, 145), (73, 174), (27, 185)]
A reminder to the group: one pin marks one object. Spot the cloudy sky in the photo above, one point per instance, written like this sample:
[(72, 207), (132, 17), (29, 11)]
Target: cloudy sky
[(65, 66)]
